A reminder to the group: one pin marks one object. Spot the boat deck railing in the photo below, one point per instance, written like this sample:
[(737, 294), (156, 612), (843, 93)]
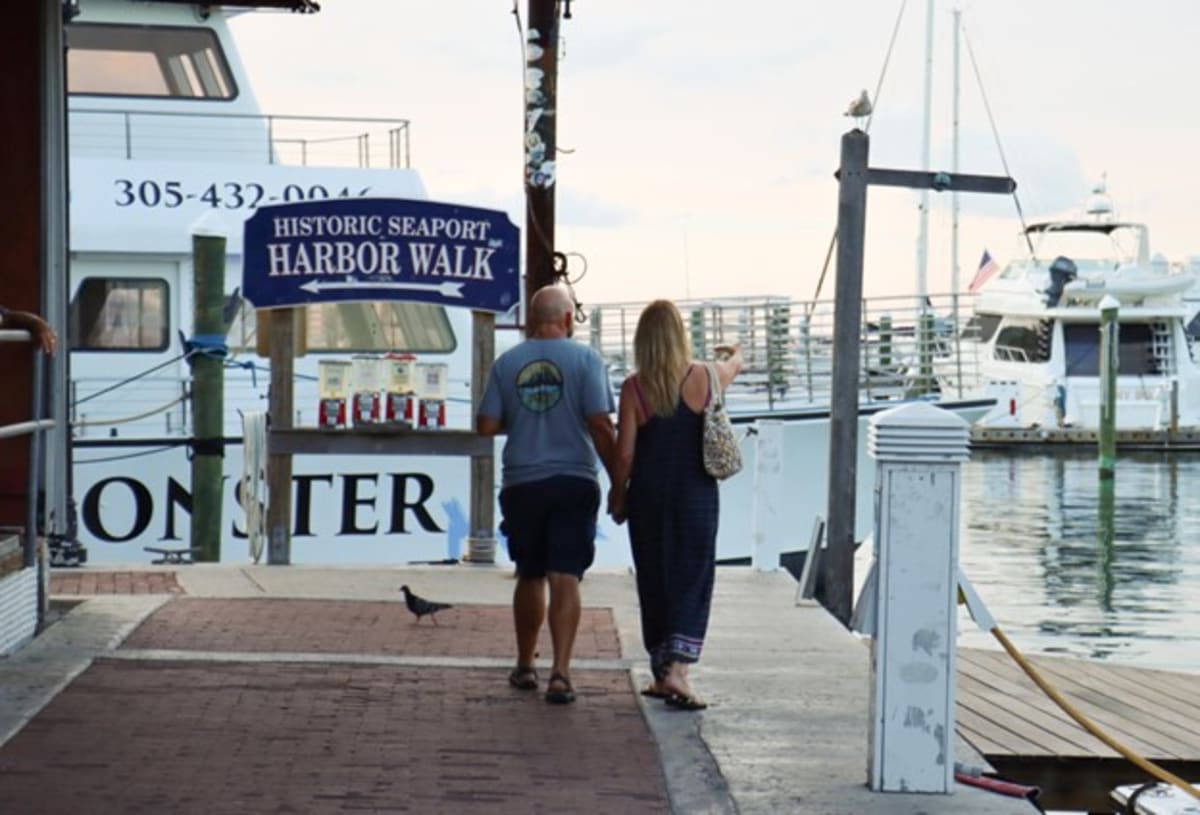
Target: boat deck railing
[(318, 141), (909, 349)]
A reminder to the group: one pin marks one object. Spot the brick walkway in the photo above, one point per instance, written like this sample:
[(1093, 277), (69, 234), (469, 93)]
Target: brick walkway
[(88, 582), (190, 736), (187, 737), (271, 625)]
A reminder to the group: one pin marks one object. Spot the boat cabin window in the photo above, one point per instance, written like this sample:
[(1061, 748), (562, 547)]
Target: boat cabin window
[(981, 327), (362, 328), (119, 314), (1024, 343), (1135, 353), (136, 60)]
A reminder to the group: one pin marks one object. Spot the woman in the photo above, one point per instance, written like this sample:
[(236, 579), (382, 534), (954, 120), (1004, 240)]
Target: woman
[(660, 485)]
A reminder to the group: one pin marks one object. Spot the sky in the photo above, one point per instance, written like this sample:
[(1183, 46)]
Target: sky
[(704, 134)]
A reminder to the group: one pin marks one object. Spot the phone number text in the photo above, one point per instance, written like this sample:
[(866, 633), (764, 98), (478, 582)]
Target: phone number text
[(222, 194)]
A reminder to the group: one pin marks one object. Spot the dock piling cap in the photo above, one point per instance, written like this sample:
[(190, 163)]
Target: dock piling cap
[(1109, 303), (918, 432), (209, 225)]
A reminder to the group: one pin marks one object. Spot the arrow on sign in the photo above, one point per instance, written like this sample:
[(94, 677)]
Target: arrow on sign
[(444, 289)]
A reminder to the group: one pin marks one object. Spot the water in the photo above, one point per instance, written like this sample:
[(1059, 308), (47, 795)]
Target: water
[(1058, 580)]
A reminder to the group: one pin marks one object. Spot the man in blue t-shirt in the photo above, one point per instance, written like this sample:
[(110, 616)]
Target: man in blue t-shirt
[(551, 396)]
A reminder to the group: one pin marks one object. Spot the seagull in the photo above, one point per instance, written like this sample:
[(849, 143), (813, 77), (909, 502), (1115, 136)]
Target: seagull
[(860, 108), (420, 606)]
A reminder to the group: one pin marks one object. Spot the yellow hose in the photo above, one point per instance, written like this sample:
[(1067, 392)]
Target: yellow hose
[(1142, 764)]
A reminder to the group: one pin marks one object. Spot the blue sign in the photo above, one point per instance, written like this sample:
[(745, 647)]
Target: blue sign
[(380, 249)]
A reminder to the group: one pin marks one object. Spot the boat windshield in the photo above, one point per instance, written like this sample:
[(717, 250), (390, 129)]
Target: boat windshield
[(1119, 244), (159, 61), (360, 328)]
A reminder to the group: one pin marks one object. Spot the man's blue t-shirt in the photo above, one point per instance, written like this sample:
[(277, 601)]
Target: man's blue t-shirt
[(542, 391)]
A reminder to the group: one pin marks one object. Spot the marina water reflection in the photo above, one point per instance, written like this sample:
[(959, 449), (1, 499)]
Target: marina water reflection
[(1069, 567)]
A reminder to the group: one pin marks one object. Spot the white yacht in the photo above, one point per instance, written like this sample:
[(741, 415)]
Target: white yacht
[(1038, 335)]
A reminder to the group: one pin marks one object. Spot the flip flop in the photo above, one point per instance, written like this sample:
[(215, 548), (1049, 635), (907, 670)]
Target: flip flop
[(681, 702), (564, 696), (655, 694), (523, 678)]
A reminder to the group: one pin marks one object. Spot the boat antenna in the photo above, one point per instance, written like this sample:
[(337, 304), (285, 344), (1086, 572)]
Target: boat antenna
[(996, 135), (887, 58)]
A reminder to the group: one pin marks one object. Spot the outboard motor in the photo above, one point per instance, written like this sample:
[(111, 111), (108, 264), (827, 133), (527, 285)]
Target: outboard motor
[(1062, 272)]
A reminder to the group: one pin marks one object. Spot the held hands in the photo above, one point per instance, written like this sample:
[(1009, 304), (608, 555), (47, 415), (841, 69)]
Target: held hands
[(616, 506)]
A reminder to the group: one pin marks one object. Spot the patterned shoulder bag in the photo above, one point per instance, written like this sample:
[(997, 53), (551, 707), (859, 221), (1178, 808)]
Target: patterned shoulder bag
[(722, 455)]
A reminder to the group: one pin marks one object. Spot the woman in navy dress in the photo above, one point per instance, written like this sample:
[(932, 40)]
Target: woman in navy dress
[(661, 487)]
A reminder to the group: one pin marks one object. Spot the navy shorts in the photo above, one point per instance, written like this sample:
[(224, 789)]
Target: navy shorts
[(551, 525)]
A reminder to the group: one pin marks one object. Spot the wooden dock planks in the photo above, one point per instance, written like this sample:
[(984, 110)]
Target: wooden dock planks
[(1004, 714)]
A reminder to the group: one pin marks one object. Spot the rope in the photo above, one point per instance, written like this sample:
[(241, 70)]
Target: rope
[(130, 380), (996, 135), (254, 480), (127, 419), (1142, 764), (887, 58), (983, 618)]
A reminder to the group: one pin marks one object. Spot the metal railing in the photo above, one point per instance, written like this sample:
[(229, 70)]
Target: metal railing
[(33, 428), (324, 141), (909, 349)]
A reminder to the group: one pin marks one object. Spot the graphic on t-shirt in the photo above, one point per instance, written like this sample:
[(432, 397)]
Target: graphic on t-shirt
[(540, 385)]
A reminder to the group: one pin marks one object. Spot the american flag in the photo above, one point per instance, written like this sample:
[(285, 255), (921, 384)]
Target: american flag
[(987, 268)]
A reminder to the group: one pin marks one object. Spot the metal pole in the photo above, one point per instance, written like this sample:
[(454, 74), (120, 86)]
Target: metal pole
[(923, 234), (541, 111), (955, 281), (837, 566), (282, 334), (208, 394), (1109, 329), (54, 272)]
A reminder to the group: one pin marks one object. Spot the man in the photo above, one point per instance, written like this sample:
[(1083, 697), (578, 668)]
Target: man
[(38, 328), (552, 398)]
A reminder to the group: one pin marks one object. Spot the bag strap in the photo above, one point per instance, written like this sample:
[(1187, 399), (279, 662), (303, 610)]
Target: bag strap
[(714, 391)]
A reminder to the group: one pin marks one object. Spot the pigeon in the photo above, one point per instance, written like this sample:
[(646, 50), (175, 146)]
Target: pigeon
[(860, 107), (420, 606)]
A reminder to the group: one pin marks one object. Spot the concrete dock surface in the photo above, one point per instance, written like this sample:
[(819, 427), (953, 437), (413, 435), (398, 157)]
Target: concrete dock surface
[(224, 688)]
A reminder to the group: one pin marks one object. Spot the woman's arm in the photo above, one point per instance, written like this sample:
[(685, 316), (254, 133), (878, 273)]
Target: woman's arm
[(728, 363), (627, 427), (38, 328)]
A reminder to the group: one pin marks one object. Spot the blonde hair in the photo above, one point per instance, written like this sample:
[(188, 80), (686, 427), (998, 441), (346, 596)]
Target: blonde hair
[(662, 353)]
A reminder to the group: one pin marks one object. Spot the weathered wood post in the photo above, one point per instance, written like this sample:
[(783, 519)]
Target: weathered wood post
[(481, 543), (919, 450), (282, 330), (837, 562), (208, 389)]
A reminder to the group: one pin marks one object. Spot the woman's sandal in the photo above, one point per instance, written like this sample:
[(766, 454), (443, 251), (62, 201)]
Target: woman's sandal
[(682, 702), (523, 678), (565, 695)]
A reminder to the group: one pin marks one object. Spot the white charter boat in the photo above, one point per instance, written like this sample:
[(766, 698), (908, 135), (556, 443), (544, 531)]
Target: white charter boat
[(1037, 336), (165, 130)]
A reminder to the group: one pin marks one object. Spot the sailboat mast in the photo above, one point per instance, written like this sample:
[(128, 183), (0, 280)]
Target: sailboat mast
[(923, 234), (954, 203)]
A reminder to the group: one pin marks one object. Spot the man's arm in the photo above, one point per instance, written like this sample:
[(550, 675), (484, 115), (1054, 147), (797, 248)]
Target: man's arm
[(488, 426), (38, 328), (604, 436)]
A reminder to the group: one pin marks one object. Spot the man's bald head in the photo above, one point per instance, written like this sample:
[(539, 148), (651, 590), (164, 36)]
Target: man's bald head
[(548, 307)]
